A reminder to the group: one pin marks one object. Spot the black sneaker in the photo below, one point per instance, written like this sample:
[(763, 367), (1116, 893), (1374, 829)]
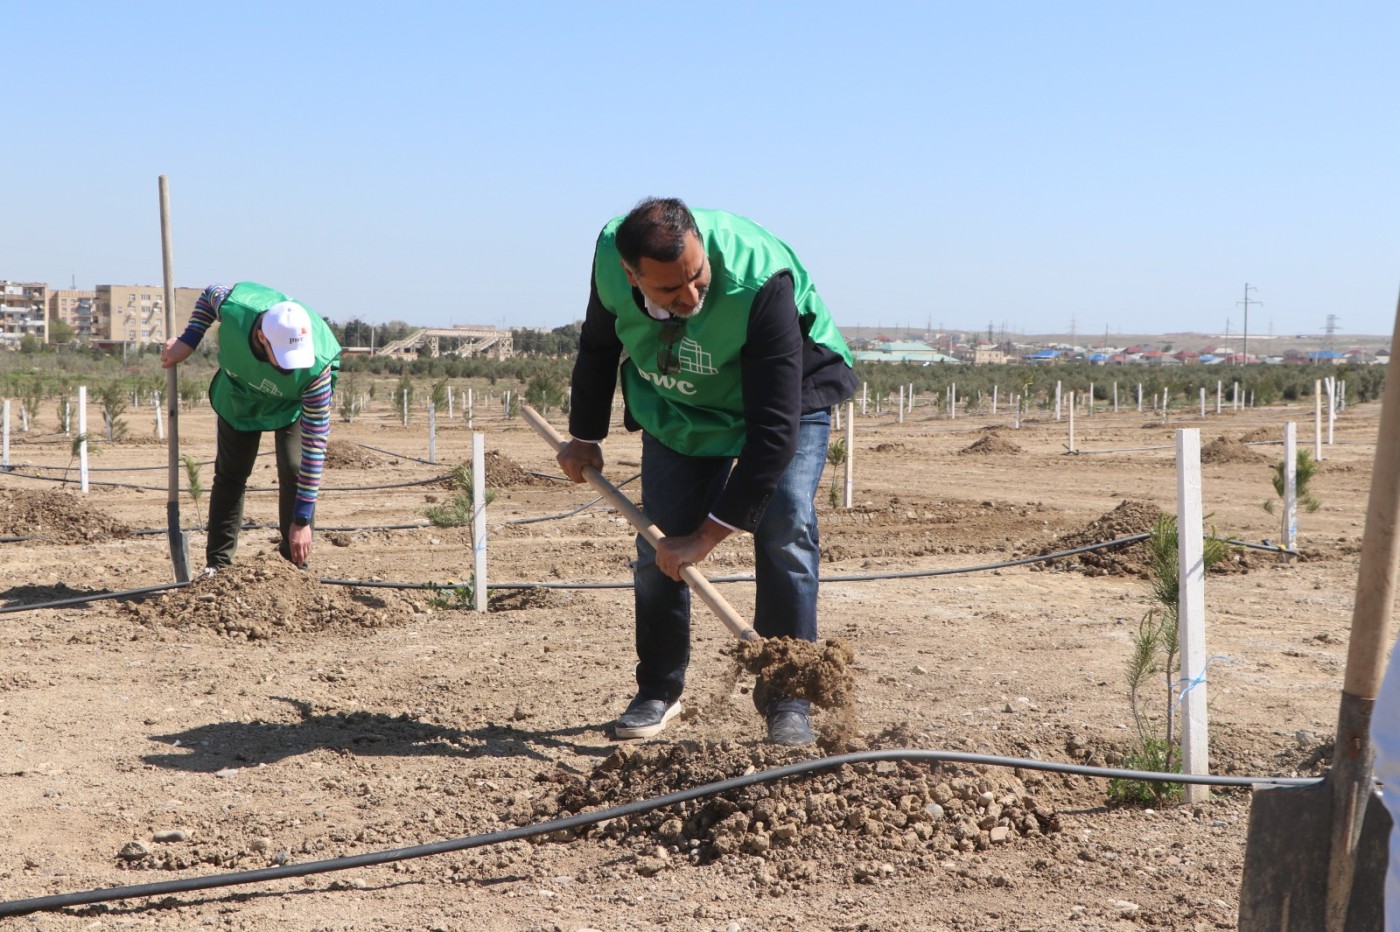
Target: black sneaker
[(792, 729), (645, 717)]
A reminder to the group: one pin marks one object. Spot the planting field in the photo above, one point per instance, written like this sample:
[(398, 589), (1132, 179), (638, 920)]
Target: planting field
[(265, 718)]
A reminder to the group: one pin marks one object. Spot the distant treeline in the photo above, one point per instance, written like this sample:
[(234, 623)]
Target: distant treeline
[(544, 360)]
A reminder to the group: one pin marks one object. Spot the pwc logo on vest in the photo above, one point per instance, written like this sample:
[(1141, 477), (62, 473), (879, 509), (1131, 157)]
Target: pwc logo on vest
[(690, 359)]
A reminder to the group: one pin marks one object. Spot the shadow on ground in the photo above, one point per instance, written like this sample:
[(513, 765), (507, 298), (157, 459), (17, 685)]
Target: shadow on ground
[(222, 745)]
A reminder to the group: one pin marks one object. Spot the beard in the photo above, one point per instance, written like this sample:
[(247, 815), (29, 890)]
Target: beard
[(674, 311)]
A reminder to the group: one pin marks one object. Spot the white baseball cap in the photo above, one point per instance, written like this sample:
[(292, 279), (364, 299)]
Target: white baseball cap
[(287, 327)]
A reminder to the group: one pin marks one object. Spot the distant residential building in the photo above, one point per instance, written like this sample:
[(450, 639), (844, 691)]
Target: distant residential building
[(135, 314), (988, 355), (902, 351), (24, 311), (75, 309), (1328, 357)]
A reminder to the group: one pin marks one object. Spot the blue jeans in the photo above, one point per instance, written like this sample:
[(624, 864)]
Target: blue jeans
[(678, 492)]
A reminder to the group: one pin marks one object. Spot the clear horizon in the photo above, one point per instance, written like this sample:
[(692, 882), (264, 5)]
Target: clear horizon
[(1093, 167)]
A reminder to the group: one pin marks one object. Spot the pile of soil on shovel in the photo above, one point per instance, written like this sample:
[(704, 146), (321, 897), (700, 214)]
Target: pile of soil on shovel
[(341, 454), (268, 599), (1129, 518), (59, 517), (851, 824), (819, 672), (991, 444), (1226, 450)]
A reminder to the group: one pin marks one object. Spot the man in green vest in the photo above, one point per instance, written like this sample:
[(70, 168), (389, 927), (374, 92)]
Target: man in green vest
[(730, 363), (278, 364)]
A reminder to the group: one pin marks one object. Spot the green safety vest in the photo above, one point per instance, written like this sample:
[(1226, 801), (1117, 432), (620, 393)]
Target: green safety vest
[(251, 394), (699, 410)]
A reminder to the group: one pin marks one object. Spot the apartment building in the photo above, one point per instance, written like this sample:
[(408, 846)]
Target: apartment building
[(135, 314), (24, 311), (74, 308)]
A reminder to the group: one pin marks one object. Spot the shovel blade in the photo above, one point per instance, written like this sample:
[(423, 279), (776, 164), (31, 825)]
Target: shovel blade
[(1286, 862), (179, 546)]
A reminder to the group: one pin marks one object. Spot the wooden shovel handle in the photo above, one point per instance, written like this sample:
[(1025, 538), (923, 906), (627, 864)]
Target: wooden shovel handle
[(1375, 580), (651, 532)]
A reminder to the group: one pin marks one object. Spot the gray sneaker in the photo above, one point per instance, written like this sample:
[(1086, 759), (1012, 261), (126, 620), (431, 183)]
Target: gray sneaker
[(644, 718)]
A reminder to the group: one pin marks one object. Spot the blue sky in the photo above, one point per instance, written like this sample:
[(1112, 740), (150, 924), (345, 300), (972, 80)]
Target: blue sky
[(1117, 167)]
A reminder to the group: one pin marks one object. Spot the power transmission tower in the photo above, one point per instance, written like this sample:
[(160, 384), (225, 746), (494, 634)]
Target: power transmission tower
[(1331, 329), (1246, 302)]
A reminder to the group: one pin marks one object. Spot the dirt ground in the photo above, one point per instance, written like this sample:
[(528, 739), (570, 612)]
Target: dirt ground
[(264, 718)]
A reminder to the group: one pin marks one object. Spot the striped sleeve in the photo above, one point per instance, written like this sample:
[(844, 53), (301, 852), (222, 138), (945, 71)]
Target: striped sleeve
[(315, 431), (206, 314)]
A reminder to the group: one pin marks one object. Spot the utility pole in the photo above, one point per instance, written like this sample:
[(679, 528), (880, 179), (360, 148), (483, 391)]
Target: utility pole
[(1246, 302)]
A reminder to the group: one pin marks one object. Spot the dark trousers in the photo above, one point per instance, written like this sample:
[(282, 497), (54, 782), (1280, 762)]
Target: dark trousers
[(678, 492), (233, 464)]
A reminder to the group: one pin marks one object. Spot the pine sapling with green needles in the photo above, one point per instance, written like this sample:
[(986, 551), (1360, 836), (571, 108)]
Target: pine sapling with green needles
[(192, 482), (1156, 649), (1304, 469), (836, 456)]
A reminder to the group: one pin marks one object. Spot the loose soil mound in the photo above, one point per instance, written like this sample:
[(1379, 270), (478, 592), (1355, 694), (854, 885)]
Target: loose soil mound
[(1225, 450), (851, 823), (61, 517), (502, 472), (990, 445), (1261, 435), (341, 454), (1127, 519), (269, 600)]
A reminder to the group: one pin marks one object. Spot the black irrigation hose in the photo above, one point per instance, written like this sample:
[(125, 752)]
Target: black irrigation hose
[(58, 901), (14, 466), (568, 514), (94, 597), (153, 488), (402, 456), (912, 574), (368, 584)]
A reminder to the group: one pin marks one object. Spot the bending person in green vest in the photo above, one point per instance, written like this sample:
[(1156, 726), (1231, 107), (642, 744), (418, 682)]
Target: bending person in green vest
[(730, 363), (278, 364)]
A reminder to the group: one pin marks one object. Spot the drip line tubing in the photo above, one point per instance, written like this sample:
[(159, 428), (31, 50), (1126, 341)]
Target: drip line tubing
[(152, 488), (59, 901), (374, 584), (93, 597), (14, 466), (568, 514), (402, 456)]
